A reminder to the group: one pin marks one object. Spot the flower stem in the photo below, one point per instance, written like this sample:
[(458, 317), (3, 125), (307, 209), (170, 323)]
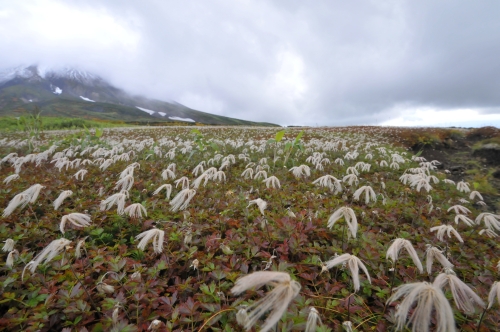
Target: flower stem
[(86, 291), (343, 236), (481, 319)]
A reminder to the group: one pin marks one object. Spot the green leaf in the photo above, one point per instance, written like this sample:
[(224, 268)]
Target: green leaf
[(9, 295), (299, 136), (86, 129), (205, 289), (8, 281), (162, 265), (34, 301), (279, 135), (77, 320), (96, 232), (98, 132), (192, 250)]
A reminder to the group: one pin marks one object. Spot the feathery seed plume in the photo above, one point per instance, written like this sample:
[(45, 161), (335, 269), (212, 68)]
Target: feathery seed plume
[(448, 229), (18, 200), (80, 174), (59, 200), (312, 320), (167, 187), (79, 246), (463, 187), (494, 293), (350, 179), (395, 248), (427, 297), (104, 288), (155, 325), (9, 245), (135, 210), (459, 209), (434, 253), (155, 235), (349, 216), (247, 173), (183, 181), (182, 199), (118, 199), (369, 194), (463, 218), (330, 182), (273, 182), (10, 178), (474, 194), (284, 291), (491, 221), (77, 219), (47, 254), (354, 264), (262, 205), (168, 174), (347, 325), (125, 183), (33, 192), (197, 182), (11, 257), (259, 174), (464, 297)]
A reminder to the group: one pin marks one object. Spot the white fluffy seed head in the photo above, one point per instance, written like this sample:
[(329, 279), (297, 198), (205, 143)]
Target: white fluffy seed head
[(47, 254), (59, 200), (135, 210), (395, 249), (9, 245), (261, 204), (428, 299), (155, 235), (349, 216), (464, 296), (494, 293), (76, 219), (18, 200), (354, 264), (276, 301)]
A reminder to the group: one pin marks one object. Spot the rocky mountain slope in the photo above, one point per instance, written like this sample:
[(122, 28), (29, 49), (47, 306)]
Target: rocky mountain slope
[(74, 93)]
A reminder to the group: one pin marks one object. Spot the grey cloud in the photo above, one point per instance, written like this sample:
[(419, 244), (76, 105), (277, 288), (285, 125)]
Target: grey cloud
[(288, 62)]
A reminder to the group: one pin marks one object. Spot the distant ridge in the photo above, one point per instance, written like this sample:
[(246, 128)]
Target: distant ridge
[(70, 92)]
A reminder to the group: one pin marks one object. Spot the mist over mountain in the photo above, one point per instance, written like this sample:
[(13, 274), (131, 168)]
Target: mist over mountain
[(71, 92)]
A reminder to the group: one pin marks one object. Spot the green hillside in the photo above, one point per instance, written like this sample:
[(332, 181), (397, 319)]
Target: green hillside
[(21, 94)]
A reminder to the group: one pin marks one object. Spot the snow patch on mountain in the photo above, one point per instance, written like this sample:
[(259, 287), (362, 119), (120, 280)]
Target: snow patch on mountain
[(87, 99), (176, 118), (162, 114), (57, 90), (146, 110), (74, 74), (21, 71)]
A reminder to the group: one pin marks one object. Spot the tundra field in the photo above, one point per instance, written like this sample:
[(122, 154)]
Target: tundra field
[(234, 229)]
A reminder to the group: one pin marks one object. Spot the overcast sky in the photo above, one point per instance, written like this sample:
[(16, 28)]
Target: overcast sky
[(424, 62)]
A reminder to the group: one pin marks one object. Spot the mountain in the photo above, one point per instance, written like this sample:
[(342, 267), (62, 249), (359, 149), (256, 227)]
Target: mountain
[(70, 92)]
